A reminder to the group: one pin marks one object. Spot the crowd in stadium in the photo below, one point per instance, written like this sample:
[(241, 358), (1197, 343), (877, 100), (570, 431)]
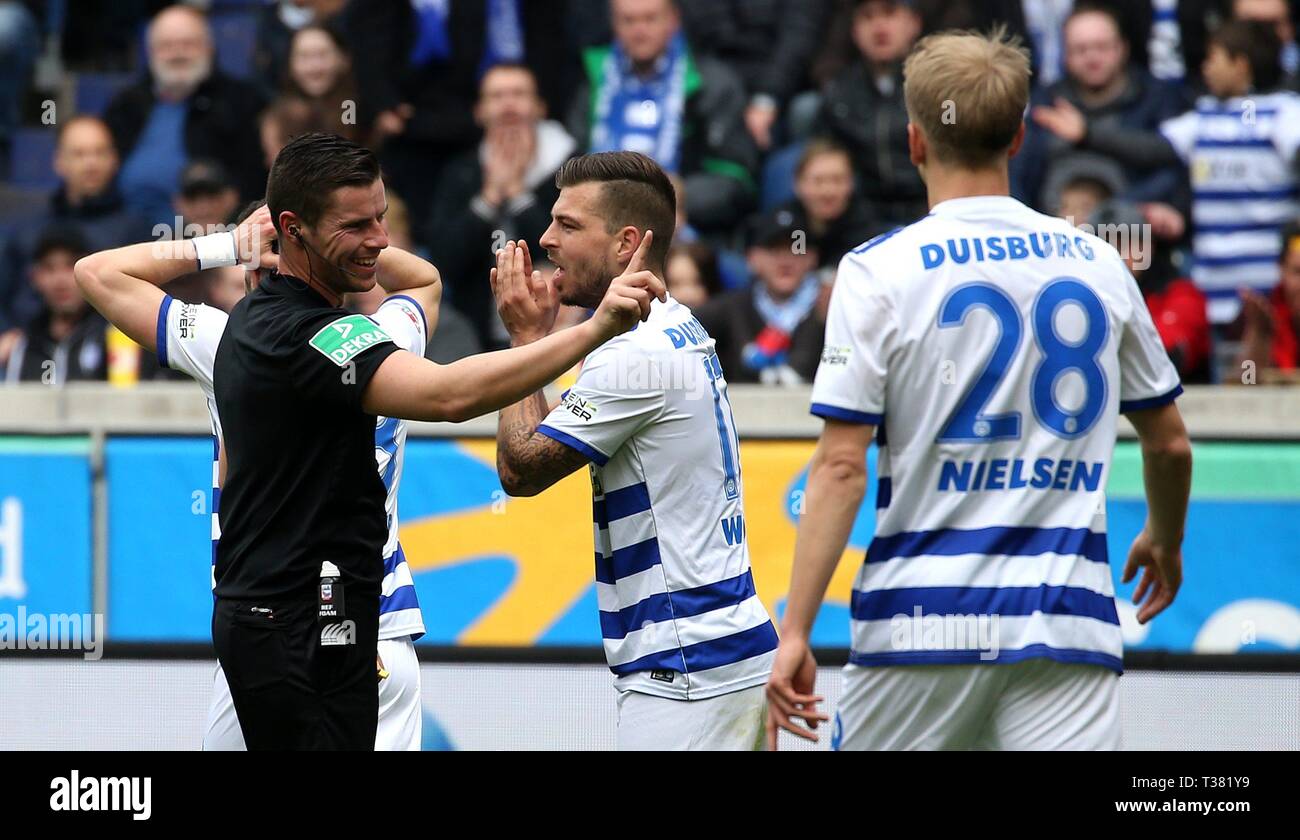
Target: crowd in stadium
[(782, 122)]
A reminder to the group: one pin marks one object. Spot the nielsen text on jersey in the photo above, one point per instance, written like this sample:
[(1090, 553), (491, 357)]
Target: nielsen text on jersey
[(1017, 473)]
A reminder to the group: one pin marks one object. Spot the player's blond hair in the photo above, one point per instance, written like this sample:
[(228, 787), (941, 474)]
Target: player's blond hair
[(967, 92)]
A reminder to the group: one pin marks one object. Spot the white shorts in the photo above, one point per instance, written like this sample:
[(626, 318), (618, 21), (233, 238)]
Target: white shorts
[(731, 721), (1038, 704), (401, 715), (400, 711)]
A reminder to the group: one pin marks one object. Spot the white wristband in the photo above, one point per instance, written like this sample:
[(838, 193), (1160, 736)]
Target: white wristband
[(215, 250)]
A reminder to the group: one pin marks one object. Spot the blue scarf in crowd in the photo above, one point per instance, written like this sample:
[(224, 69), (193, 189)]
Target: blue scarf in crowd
[(503, 41), (771, 347), (642, 115)]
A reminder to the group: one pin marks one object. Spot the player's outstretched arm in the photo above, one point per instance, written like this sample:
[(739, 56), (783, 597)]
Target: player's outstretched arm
[(1167, 473), (837, 482), (122, 283), (413, 388)]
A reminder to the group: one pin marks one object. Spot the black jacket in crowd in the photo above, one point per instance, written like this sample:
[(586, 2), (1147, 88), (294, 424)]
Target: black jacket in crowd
[(80, 356), (873, 126), (221, 125), (769, 43)]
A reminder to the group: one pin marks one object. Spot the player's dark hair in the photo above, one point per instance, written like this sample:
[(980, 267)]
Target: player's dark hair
[(308, 171), (635, 191), (1258, 42)]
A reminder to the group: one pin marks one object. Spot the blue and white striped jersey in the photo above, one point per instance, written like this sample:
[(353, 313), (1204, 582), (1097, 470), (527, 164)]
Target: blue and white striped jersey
[(994, 347), (187, 339), (678, 611), (1240, 154)]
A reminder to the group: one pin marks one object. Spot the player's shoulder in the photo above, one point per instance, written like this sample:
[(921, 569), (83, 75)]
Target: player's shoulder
[(884, 259)]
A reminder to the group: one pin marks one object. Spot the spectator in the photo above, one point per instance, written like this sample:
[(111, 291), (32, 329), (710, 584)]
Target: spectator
[(320, 74), (1271, 335), (205, 203), (1109, 90), (86, 200), (1275, 13), (691, 273), (502, 190), (276, 26), (1239, 145), (773, 331), (284, 119), (1083, 187), (64, 342), (1177, 307), (768, 43), (19, 46), (863, 110), (649, 92), (184, 109), (418, 64), (826, 206)]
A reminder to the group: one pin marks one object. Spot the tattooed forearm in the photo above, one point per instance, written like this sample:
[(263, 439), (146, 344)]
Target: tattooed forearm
[(528, 462)]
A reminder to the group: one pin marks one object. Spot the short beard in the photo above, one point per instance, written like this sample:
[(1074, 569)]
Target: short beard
[(589, 290)]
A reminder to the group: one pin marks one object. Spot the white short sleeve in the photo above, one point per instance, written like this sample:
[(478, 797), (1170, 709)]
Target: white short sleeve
[(860, 327), (405, 322), (605, 407), (1181, 132), (1147, 378), (188, 335)]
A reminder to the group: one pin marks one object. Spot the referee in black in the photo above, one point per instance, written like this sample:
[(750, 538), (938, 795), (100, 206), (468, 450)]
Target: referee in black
[(299, 381)]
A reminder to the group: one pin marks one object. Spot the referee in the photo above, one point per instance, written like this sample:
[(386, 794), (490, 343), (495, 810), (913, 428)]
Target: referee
[(299, 382)]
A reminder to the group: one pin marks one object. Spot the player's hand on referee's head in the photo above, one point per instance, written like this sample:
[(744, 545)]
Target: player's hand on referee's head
[(253, 241), (630, 294), (790, 692), (526, 301)]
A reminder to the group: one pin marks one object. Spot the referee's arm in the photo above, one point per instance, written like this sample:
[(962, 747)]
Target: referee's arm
[(414, 388)]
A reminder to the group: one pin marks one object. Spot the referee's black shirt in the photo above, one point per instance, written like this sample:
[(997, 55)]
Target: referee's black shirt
[(301, 485)]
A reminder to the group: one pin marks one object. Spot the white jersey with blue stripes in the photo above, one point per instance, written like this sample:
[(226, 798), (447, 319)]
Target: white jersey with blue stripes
[(678, 612), (994, 348), (1240, 154), (187, 339)]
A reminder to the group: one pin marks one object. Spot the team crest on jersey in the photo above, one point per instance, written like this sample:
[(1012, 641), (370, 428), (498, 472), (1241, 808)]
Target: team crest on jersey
[(343, 340)]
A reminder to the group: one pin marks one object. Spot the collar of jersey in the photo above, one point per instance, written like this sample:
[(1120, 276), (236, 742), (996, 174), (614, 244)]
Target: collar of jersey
[(288, 284), (974, 203)]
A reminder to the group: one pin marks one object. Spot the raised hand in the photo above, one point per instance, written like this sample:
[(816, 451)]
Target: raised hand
[(526, 301), (1062, 119), (629, 296), (253, 239)]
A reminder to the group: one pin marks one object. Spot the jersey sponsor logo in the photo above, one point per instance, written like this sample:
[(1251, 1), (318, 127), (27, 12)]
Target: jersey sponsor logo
[(187, 325), (834, 355), (578, 407), (335, 635), (343, 340), (663, 676)]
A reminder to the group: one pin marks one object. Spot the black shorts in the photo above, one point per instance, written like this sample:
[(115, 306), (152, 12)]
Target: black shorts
[(290, 691)]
